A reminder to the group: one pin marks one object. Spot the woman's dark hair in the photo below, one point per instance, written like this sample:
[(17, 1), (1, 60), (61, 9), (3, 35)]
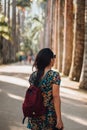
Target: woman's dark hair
[(42, 60)]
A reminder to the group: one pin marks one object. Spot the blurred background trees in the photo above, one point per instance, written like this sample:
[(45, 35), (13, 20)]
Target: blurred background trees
[(24, 22)]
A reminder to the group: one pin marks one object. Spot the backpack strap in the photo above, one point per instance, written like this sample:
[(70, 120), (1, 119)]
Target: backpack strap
[(23, 120)]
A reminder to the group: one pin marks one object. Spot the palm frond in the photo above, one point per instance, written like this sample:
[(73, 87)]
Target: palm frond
[(37, 19)]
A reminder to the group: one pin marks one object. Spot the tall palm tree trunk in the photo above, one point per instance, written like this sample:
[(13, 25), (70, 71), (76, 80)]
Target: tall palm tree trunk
[(60, 33), (51, 23), (46, 26), (0, 7), (68, 37), (55, 30), (5, 7), (78, 44), (6, 51), (48, 22), (54, 26), (18, 31), (4, 46), (9, 42), (83, 79), (13, 47), (1, 39)]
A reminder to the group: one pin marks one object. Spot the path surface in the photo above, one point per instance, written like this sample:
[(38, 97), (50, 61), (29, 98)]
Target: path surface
[(13, 84)]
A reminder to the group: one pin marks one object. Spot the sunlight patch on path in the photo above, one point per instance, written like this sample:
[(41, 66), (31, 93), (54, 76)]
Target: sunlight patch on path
[(15, 97), (69, 83), (0, 90), (76, 119), (14, 80), (73, 94), (16, 69)]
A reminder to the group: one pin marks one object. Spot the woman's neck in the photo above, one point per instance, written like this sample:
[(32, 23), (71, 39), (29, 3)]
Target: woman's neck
[(47, 69)]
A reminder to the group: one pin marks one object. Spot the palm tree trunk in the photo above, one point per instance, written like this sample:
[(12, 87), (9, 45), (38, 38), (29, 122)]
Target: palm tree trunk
[(18, 31), (68, 37), (50, 24), (4, 46), (83, 79), (60, 33), (13, 47), (55, 30), (47, 36), (9, 42), (0, 7), (5, 7), (0, 39), (53, 25), (1, 58), (45, 27), (6, 43), (1, 46), (78, 43)]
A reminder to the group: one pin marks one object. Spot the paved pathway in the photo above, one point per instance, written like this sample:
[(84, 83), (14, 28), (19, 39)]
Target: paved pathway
[(13, 84)]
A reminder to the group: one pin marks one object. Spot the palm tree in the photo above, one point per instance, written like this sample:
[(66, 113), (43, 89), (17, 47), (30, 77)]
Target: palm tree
[(6, 43), (47, 25), (13, 46), (18, 37), (60, 33), (5, 7), (1, 38), (4, 35), (68, 37), (78, 43), (0, 6), (83, 79), (54, 29)]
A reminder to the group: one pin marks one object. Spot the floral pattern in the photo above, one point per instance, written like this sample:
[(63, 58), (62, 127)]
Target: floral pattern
[(49, 120)]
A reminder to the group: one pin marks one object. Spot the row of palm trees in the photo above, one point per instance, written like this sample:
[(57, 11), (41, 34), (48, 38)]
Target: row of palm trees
[(66, 34), (10, 45), (10, 9), (15, 11)]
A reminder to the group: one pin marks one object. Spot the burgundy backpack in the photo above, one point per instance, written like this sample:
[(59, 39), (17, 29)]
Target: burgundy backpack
[(33, 105)]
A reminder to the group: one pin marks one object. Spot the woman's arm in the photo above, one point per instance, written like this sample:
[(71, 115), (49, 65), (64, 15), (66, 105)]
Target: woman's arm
[(57, 105)]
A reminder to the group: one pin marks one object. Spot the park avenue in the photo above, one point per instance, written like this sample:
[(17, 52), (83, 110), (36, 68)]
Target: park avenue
[(13, 84)]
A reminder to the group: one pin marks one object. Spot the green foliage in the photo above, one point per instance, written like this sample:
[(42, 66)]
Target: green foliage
[(37, 20), (31, 36), (4, 29), (33, 26), (23, 3)]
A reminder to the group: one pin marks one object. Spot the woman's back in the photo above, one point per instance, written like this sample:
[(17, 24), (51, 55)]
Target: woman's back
[(48, 81), (45, 84)]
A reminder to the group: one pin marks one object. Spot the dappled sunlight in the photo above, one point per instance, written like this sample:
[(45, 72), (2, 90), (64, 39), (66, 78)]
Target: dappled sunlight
[(65, 82), (0, 90), (14, 80), (18, 127), (73, 102), (16, 69), (75, 119), (68, 93), (15, 97)]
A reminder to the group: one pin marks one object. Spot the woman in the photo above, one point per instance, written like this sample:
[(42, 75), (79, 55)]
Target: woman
[(49, 83)]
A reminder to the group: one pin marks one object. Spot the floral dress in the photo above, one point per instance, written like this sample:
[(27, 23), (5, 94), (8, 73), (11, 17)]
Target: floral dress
[(49, 120)]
